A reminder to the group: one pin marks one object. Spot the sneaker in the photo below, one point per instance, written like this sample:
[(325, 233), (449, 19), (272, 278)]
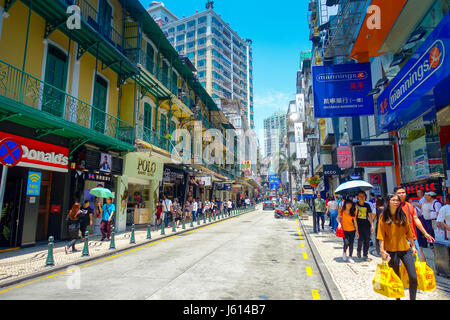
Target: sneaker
[(102, 239), (351, 260), (359, 255), (66, 249), (75, 250), (366, 258), (344, 257), (108, 239)]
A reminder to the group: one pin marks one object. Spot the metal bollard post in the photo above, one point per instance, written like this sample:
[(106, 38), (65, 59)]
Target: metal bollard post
[(174, 229), (85, 252), (162, 228), (198, 219), (50, 261), (112, 244), (209, 217), (132, 240), (204, 217), (192, 223), (183, 226), (149, 235)]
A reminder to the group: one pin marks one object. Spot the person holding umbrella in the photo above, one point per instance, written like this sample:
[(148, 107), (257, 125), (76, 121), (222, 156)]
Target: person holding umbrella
[(107, 212)]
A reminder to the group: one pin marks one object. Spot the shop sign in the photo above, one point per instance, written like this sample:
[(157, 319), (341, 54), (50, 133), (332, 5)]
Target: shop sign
[(224, 186), (342, 90), (172, 176), (374, 156), (203, 181), (375, 179), (426, 187), (344, 157), (105, 162), (40, 155), (141, 165), (98, 177), (408, 95), (34, 183), (331, 170), (273, 178)]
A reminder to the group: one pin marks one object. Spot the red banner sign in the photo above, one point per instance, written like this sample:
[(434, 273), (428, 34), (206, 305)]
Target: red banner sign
[(344, 157), (40, 155)]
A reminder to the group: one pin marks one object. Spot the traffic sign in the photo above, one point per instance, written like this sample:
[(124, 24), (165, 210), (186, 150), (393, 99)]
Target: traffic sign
[(10, 152)]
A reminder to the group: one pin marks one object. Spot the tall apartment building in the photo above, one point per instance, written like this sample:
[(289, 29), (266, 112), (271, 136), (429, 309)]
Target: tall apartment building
[(275, 129), (223, 60)]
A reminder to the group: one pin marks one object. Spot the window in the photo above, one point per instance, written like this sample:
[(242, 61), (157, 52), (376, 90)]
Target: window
[(215, 53), (149, 58), (163, 125), (201, 41), (216, 32), (180, 47), (180, 38), (181, 27), (201, 63), (216, 86), (216, 76), (202, 52), (171, 30), (100, 96), (201, 30), (191, 24), (201, 74), (191, 55), (203, 84), (191, 45), (216, 43), (147, 118), (216, 64), (190, 34), (171, 40), (201, 20)]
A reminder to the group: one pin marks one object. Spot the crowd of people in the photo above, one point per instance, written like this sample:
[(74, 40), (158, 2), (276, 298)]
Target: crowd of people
[(401, 227)]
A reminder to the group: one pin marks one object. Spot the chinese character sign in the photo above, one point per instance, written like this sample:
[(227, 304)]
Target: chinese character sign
[(344, 157), (342, 90), (298, 128)]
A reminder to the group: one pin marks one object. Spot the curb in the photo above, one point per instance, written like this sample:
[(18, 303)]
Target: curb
[(106, 254), (331, 287)]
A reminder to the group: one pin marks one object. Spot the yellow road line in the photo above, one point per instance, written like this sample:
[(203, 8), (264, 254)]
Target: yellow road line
[(315, 295), (305, 255), (85, 265), (302, 244), (309, 271)]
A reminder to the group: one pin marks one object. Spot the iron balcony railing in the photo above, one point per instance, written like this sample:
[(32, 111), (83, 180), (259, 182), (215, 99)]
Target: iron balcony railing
[(26, 89), (156, 139)]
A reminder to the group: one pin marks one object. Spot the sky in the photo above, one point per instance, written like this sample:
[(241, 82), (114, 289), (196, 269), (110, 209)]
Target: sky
[(279, 31)]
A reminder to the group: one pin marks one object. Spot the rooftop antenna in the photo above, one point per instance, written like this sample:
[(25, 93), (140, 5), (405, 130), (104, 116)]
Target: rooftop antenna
[(210, 5)]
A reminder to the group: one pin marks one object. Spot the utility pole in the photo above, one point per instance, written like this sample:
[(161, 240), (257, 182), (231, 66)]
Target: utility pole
[(314, 193)]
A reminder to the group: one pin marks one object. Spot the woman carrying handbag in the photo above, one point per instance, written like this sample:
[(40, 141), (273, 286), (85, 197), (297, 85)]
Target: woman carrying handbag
[(347, 221), (73, 224)]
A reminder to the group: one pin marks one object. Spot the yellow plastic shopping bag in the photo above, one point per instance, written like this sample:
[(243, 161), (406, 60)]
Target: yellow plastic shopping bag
[(387, 283), (426, 281)]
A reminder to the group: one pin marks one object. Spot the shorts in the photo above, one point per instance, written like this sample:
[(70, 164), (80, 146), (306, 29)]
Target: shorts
[(158, 216)]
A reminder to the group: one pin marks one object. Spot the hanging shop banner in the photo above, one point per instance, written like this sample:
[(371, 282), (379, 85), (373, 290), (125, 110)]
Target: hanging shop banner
[(302, 150), (273, 178), (342, 90), (298, 129), (344, 157), (416, 88), (141, 165), (300, 102), (203, 181), (37, 154)]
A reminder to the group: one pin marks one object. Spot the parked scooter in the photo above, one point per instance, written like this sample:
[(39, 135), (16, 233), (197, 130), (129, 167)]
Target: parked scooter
[(284, 212)]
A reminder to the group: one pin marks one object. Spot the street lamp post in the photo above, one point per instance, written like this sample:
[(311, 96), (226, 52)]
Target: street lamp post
[(314, 193)]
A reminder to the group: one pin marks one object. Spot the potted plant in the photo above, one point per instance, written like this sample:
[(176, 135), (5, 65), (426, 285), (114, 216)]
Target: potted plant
[(314, 181)]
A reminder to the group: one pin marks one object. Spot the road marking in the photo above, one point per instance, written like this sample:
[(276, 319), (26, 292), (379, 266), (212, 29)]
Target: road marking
[(305, 255), (315, 295), (309, 271), (302, 244), (86, 265)]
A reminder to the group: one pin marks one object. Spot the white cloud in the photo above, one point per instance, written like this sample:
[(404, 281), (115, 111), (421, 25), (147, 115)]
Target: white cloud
[(271, 99)]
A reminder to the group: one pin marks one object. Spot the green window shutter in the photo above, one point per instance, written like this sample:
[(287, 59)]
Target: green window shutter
[(165, 75), (147, 116), (55, 75), (174, 83), (98, 116), (162, 125), (150, 56)]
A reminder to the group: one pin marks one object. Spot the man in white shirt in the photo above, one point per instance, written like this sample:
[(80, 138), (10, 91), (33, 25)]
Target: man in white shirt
[(167, 210), (194, 209), (443, 220), (230, 206), (247, 202)]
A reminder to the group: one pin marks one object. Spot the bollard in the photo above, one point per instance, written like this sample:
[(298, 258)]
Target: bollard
[(132, 240), (112, 244), (50, 261), (209, 217), (162, 228), (204, 217), (85, 252), (198, 219), (174, 229), (183, 226), (192, 223), (149, 235), (214, 218)]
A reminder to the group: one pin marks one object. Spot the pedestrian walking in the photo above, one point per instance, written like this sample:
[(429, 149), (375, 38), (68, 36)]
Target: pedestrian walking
[(158, 212), (167, 210), (414, 222), (332, 210), (443, 219), (347, 219), (319, 204), (213, 209), (394, 232), (364, 218), (85, 218), (187, 210), (200, 207), (206, 208), (177, 214), (107, 212), (194, 209), (230, 206), (73, 225), (379, 209), (430, 211)]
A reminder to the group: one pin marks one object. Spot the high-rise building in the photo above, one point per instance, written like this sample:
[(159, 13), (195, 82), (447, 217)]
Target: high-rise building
[(222, 58), (275, 129)]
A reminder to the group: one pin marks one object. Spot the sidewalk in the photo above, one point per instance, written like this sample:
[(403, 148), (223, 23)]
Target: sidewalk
[(27, 263), (354, 281)]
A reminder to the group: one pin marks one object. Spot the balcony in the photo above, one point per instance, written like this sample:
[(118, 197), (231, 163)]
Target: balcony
[(29, 101), (154, 138)]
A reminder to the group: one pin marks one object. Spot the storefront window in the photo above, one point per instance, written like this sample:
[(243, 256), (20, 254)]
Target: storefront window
[(420, 149)]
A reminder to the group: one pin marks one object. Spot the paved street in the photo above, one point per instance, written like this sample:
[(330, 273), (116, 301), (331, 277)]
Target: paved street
[(253, 256)]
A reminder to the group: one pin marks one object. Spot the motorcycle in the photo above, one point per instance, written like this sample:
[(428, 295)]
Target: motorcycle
[(284, 212)]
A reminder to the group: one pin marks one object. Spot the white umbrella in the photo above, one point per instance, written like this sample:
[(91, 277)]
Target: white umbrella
[(353, 186)]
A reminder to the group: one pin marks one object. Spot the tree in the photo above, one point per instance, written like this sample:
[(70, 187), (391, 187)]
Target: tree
[(286, 163)]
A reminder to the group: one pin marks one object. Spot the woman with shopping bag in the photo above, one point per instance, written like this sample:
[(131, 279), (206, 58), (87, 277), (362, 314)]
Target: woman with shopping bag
[(394, 233), (347, 221)]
